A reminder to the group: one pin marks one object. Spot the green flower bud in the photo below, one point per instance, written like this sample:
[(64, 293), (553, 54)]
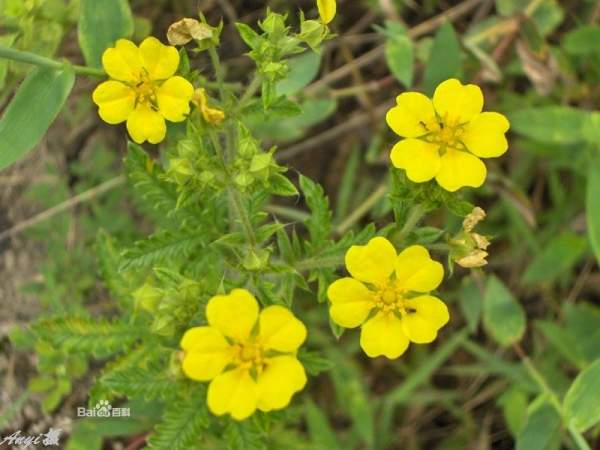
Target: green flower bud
[(180, 169), (244, 180), (147, 297), (256, 260), (313, 32)]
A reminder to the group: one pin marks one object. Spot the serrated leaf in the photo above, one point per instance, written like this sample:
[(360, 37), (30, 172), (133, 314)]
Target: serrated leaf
[(319, 223), (281, 185), (34, 107), (244, 436), (250, 37), (183, 423), (101, 23), (164, 246), (503, 316), (100, 337), (582, 401)]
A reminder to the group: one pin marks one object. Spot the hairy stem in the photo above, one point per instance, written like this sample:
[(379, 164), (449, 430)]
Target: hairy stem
[(42, 61)]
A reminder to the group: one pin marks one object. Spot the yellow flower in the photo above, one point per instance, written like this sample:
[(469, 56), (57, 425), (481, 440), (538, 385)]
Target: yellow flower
[(213, 116), (327, 10), (250, 357), (143, 90), (384, 295), (446, 137)]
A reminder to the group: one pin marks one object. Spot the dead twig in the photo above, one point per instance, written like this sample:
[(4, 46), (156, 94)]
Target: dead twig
[(64, 206)]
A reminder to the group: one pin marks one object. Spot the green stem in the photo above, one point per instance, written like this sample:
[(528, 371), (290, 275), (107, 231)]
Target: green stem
[(242, 214), (362, 209), (413, 218), (42, 61), (250, 91), (216, 62), (579, 440), (538, 378)]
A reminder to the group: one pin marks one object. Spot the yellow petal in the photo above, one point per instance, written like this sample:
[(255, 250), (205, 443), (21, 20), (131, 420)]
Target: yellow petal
[(416, 271), (161, 61), (413, 110), (206, 353), (174, 97), (234, 315), (430, 314), (460, 169), (371, 263), (145, 124), (327, 10), (123, 61), (282, 378), (420, 159), (233, 392), (484, 135), (351, 302), (115, 101), (383, 335), (456, 102), (280, 330)]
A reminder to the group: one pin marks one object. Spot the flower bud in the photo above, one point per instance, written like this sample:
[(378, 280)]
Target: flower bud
[(147, 297)]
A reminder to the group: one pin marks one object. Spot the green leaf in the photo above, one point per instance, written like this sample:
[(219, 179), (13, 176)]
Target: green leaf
[(244, 436), (445, 58), (281, 185), (399, 53), (582, 321), (164, 246), (182, 424), (556, 258), (470, 303), (321, 433), (550, 124), (34, 107), (319, 223), (250, 37), (582, 40), (503, 316), (582, 401), (562, 341), (5, 40), (302, 70), (592, 210), (514, 409), (541, 429), (101, 23), (85, 335)]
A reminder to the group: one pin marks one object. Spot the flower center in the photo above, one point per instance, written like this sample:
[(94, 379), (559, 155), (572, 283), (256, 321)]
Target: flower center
[(145, 91), (390, 298), (249, 355), (445, 132)]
